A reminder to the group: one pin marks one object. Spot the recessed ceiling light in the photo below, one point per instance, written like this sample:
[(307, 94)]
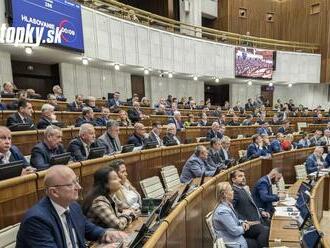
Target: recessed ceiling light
[(117, 67), (217, 80), (146, 71), (270, 84), (28, 50), (195, 78), (170, 75), (249, 82), (290, 85), (84, 61)]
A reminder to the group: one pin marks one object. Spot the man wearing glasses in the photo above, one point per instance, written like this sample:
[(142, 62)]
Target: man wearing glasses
[(57, 220)]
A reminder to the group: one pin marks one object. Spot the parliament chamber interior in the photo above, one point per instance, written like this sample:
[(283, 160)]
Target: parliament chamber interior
[(164, 123)]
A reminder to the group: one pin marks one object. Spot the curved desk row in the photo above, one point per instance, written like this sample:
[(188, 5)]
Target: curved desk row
[(320, 202)]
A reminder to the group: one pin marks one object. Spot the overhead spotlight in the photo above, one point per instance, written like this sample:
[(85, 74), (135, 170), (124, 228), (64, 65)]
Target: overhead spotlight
[(249, 83), (28, 50), (84, 61), (117, 67), (270, 84), (217, 80), (170, 75), (195, 78), (290, 85), (146, 71)]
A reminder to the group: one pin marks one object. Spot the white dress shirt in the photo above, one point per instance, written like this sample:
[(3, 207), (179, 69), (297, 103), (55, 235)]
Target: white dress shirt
[(61, 213)]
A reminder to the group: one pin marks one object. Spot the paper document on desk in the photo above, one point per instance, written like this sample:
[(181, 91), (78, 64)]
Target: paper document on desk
[(290, 201), (283, 212)]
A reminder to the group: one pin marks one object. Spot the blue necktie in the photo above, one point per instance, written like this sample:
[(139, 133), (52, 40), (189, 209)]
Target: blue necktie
[(70, 227)]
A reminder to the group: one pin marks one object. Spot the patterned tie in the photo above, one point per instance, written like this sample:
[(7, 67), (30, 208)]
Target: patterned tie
[(70, 227)]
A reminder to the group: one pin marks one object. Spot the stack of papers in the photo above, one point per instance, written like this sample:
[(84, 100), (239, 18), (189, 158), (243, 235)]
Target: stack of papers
[(289, 201), (286, 212)]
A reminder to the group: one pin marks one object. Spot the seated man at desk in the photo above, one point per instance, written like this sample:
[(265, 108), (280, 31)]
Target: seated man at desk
[(57, 220), (243, 202), (58, 93), (255, 149), (224, 151), (315, 161), (22, 116), (262, 192), (214, 132), (51, 145), (214, 160), (80, 146), (275, 145), (91, 102), (10, 153), (48, 116), (87, 117), (110, 139), (170, 137), (155, 132), (196, 165), (77, 105), (104, 118), (138, 138), (8, 90)]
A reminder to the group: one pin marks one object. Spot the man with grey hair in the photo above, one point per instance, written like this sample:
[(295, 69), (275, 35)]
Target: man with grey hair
[(196, 165), (51, 145), (48, 116), (315, 161), (138, 138), (135, 114), (51, 99), (170, 137), (91, 102), (214, 132), (80, 146), (177, 120), (57, 220), (58, 93), (87, 117), (110, 139)]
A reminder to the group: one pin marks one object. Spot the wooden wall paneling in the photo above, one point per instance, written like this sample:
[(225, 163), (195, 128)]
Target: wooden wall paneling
[(150, 163), (170, 156)]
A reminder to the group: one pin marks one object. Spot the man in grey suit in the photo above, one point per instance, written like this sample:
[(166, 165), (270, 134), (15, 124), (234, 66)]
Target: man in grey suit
[(196, 165), (110, 139), (154, 134)]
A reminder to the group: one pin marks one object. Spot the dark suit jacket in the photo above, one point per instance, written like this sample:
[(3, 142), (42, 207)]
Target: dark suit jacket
[(82, 120), (101, 121), (113, 103), (275, 146), (16, 155), (311, 163), (41, 227), (244, 205), (152, 138), (77, 149), (43, 123), (263, 195), (74, 108), (133, 115), (136, 140), (214, 160), (222, 155), (41, 155), (266, 131), (253, 151), (211, 134), (111, 144), (178, 124), (232, 123), (169, 139), (15, 119)]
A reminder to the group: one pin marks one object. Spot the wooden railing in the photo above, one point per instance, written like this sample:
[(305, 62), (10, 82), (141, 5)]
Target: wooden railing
[(130, 13)]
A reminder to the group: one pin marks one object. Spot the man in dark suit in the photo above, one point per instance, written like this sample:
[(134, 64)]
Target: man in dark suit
[(249, 106), (315, 161), (22, 116), (214, 160), (10, 153), (114, 103), (77, 105), (255, 149), (275, 145), (170, 137), (154, 134), (87, 117), (243, 202), (247, 210), (234, 121), (91, 102), (214, 132), (104, 118), (8, 90), (58, 92), (176, 120), (135, 114), (57, 219), (222, 119), (138, 137), (110, 139), (285, 128), (196, 165), (43, 151), (262, 192), (224, 151), (80, 146), (264, 129), (161, 110), (48, 116)]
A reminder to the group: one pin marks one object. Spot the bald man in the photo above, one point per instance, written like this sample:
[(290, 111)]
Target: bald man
[(80, 147), (57, 220)]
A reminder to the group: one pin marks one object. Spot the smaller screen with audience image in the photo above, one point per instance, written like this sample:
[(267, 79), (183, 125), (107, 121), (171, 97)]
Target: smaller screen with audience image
[(253, 63)]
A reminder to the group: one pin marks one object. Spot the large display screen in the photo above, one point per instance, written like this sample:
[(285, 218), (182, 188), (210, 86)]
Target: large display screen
[(253, 63), (53, 15)]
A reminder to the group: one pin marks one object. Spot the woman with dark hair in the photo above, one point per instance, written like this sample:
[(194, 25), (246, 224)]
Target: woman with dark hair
[(102, 207), (127, 193)]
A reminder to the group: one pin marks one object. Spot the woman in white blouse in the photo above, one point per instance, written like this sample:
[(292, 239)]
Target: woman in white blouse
[(127, 193)]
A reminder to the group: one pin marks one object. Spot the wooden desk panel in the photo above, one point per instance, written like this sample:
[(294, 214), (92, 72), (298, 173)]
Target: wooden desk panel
[(25, 140), (288, 237), (150, 163), (16, 196), (171, 156)]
